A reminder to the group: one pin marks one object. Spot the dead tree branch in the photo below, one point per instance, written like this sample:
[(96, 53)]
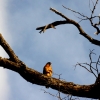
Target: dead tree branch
[(35, 77), (68, 21), (95, 25), (90, 67), (94, 7)]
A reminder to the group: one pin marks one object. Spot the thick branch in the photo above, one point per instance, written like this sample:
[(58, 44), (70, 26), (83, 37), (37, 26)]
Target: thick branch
[(35, 77), (8, 49), (89, 91), (69, 21)]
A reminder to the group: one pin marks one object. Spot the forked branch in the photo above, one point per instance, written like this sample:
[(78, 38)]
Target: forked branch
[(93, 66), (68, 21), (35, 77)]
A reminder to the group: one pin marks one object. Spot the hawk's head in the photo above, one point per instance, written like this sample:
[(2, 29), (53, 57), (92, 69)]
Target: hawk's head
[(49, 63)]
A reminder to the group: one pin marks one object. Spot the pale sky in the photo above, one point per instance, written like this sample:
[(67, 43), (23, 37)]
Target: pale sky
[(63, 46)]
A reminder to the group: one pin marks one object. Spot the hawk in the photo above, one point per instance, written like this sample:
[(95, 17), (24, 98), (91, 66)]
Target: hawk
[(47, 70)]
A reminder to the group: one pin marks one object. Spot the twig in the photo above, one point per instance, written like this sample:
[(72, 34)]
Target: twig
[(89, 18), (75, 12), (94, 7), (63, 16), (91, 69)]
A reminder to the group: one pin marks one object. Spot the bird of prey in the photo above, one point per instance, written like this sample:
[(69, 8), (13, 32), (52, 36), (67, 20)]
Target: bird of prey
[(47, 70)]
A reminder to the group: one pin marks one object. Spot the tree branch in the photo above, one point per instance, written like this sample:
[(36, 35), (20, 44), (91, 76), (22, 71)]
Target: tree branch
[(38, 78), (35, 77), (8, 49), (68, 21), (90, 67)]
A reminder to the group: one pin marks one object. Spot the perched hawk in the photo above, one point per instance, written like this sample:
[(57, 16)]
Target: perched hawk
[(47, 70)]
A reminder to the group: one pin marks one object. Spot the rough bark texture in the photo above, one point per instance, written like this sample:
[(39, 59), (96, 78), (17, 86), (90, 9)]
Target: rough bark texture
[(35, 77)]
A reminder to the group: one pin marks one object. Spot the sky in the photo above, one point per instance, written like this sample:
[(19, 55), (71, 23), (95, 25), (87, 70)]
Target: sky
[(63, 46)]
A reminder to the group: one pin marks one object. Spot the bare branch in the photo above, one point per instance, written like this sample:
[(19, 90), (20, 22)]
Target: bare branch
[(91, 69), (52, 9), (69, 21), (58, 95), (76, 12), (80, 64), (43, 28), (50, 93), (89, 18), (8, 50), (35, 77), (89, 5), (94, 7)]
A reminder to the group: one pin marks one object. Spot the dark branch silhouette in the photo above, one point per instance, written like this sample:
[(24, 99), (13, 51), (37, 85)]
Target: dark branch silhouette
[(70, 21), (90, 67)]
